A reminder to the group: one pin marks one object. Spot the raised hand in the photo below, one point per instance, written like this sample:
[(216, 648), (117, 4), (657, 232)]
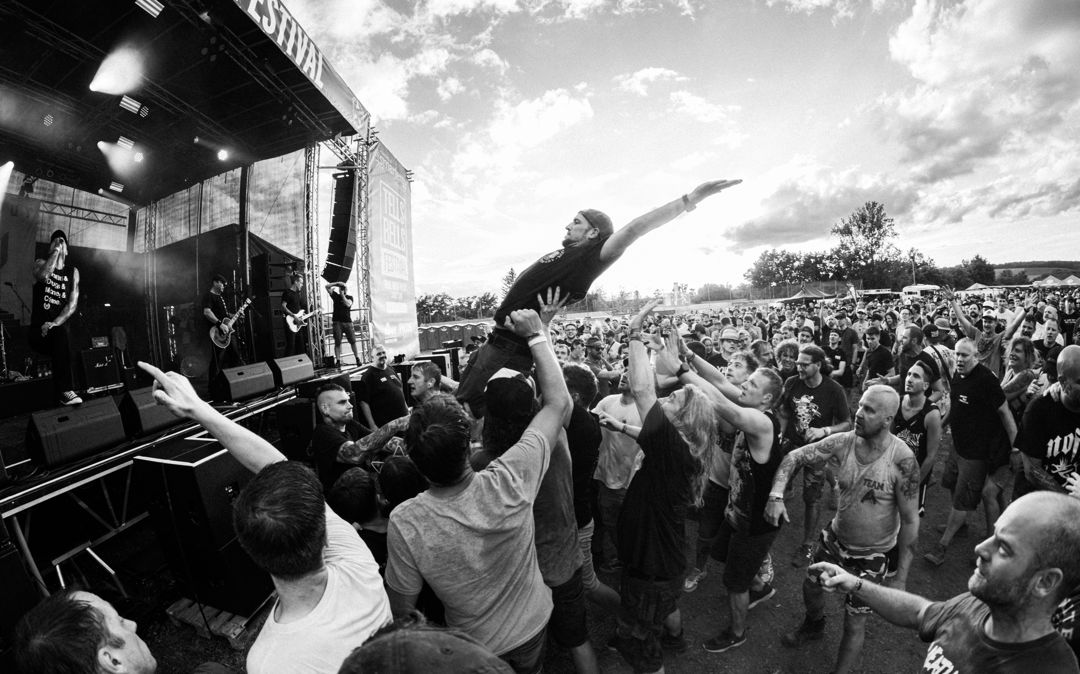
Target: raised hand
[(637, 321), (706, 190), (550, 305), (174, 391), (524, 322), (609, 422)]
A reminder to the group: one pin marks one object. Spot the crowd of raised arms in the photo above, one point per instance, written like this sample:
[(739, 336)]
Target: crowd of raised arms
[(445, 538)]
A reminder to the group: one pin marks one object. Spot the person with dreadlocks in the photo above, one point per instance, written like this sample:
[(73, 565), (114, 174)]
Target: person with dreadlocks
[(676, 436)]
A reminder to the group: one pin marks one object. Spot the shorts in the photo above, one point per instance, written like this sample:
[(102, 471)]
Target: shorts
[(528, 658), (346, 329), (742, 554), (567, 624), (970, 478), (646, 603), (869, 566), (813, 481)]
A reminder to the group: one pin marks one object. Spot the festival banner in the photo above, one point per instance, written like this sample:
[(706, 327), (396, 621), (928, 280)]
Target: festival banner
[(393, 297)]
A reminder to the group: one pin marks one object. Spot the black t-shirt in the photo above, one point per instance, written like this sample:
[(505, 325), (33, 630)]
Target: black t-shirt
[(216, 304), (1050, 434), (652, 532), (1064, 621), (1068, 323), (976, 426), (808, 408), (51, 295), (382, 391), (572, 269), (341, 309), (291, 299), (717, 360), (878, 362), (583, 437), (325, 442), (837, 356)]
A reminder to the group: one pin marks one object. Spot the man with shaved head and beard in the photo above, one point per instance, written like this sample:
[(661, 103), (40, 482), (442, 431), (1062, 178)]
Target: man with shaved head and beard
[(1028, 564), (878, 478)]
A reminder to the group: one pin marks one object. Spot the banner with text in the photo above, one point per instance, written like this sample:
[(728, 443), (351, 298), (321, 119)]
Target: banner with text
[(393, 298)]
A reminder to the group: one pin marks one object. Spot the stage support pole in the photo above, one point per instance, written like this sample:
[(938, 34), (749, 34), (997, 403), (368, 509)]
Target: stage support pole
[(245, 260)]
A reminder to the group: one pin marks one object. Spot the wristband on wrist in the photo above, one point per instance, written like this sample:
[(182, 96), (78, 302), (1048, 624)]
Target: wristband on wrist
[(687, 204), (681, 371), (537, 339)]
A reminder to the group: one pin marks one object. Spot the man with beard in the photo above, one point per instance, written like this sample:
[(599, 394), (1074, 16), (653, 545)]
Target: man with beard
[(989, 343), (619, 458), (911, 345), (1050, 434), (590, 246), (381, 393), (878, 479), (1003, 623)]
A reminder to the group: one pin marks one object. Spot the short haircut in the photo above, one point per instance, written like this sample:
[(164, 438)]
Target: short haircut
[(1059, 544), (582, 381), (280, 520), (295, 276), (873, 331), (437, 439), (376, 348), (62, 634), (354, 496), (218, 277), (747, 357), (429, 370), (400, 480), (916, 334), (774, 384)]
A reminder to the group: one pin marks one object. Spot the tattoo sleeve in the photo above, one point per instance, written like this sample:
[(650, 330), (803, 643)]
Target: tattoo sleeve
[(909, 478), (815, 454), (355, 452)]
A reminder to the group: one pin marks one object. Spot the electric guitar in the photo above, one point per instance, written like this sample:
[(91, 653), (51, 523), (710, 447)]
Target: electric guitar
[(220, 337), (294, 324)]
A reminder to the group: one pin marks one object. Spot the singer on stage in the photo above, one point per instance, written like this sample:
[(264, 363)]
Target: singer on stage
[(56, 296)]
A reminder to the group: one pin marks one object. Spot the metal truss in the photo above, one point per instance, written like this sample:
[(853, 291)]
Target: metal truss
[(87, 214)]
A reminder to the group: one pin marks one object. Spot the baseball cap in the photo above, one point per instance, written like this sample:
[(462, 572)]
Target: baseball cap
[(942, 323), (729, 333), (989, 314), (58, 234)]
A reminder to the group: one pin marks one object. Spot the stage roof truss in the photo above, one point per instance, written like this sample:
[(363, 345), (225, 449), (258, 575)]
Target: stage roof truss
[(87, 214)]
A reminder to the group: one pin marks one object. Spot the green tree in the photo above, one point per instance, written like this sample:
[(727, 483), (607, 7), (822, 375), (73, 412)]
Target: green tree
[(508, 281), (979, 270), (866, 248)]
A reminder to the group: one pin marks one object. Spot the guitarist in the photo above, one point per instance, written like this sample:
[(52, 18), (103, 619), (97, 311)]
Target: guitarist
[(214, 312), (291, 306)]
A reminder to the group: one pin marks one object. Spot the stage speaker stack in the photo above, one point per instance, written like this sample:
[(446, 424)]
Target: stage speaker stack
[(65, 434), (241, 383), (269, 278), (291, 370), (99, 369), (190, 488), (341, 251), (142, 415)]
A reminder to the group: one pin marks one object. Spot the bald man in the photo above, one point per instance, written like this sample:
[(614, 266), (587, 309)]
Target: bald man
[(878, 478), (1004, 622), (1050, 434)]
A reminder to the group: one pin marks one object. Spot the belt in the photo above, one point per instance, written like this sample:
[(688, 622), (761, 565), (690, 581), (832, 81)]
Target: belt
[(505, 340)]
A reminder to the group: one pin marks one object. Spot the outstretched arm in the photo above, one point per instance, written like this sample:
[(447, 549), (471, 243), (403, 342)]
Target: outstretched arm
[(643, 224), (174, 391), (641, 375), (897, 606)]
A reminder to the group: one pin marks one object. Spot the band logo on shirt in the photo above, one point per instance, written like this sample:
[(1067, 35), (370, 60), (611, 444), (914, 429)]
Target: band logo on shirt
[(936, 662)]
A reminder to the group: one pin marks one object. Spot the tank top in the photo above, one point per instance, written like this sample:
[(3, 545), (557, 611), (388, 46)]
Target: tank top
[(913, 431), (868, 519), (751, 482), (51, 294)]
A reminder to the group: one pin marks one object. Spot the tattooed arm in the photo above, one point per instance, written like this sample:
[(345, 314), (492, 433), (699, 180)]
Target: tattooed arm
[(907, 500), (815, 454), (1039, 476), (354, 453)]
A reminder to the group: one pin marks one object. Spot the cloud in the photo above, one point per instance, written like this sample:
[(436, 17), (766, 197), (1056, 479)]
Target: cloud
[(444, 8), (701, 109), (569, 10), (449, 87), (638, 82), (841, 9), (809, 199)]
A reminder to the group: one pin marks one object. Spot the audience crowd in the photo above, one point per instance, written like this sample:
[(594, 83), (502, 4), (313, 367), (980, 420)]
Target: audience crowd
[(424, 538)]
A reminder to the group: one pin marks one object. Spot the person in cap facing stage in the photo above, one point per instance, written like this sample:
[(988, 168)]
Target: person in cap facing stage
[(590, 246), (56, 296)]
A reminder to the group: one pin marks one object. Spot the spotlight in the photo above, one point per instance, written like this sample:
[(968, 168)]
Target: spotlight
[(125, 142), (47, 120), (138, 156), (119, 73), (116, 187), (223, 155), (130, 104)]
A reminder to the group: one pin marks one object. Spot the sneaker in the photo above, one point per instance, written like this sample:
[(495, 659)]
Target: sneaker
[(936, 555), (724, 642), (807, 631), (70, 398), (674, 644), (758, 596), (693, 579), (803, 556)]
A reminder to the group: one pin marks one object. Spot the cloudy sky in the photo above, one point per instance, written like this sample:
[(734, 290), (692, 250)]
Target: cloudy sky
[(962, 117)]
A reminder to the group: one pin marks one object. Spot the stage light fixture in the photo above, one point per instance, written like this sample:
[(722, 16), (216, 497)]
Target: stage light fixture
[(116, 187), (120, 72), (138, 156), (151, 7), (130, 104), (47, 120), (223, 155), (125, 142)]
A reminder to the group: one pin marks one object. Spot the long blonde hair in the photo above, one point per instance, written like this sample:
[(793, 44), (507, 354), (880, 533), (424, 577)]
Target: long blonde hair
[(695, 420)]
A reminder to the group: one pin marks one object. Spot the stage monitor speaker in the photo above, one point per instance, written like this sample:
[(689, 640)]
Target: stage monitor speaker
[(440, 359), (64, 434), (454, 354), (190, 488), (99, 368), (246, 381), (291, 369), (309, 388), (141, 414)]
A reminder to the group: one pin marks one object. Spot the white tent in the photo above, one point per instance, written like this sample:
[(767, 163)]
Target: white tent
[(1071, 280)]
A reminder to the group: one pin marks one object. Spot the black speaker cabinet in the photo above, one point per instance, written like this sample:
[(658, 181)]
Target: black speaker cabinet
[(291, 369), (190, 487), (142, 415), (246, 381), (64, 434), (99, 368)]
